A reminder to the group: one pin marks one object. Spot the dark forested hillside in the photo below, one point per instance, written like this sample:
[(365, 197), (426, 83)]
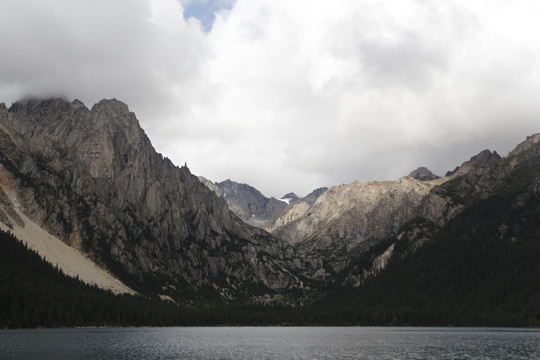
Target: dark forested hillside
[(33, 293), (480, 269), (465, 276)]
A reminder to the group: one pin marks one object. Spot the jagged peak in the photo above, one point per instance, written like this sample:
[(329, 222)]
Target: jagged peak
[(227, 182), (290, 195), (78, 104), (33, 105), (483, 157), (113, 105), (486, 155), (423, 174), (115, 113), (314, 195), (526, 145)]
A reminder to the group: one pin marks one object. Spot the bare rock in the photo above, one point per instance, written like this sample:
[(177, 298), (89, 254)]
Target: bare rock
[(93, 179)]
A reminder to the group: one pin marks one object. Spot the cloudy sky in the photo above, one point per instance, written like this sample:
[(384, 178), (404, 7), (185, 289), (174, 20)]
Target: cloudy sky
[(291, 95)]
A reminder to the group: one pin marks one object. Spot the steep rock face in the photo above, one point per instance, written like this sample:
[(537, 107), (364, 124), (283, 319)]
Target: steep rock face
[(248, 203), (93, 179), (346, 217)]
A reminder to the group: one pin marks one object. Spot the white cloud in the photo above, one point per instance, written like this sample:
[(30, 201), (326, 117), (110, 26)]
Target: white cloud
[(292, 95), (139, 51)]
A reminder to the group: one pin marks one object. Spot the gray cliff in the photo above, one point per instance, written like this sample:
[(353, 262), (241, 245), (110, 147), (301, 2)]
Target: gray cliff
[(93, 179)]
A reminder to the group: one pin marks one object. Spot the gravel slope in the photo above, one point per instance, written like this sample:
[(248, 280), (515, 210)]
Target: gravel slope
[(70, 260)]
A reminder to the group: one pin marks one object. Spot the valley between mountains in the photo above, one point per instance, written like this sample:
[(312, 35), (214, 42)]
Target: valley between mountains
[(86, 190)]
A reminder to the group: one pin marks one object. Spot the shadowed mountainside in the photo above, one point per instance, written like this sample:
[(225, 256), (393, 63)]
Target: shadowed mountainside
[(93, 179)]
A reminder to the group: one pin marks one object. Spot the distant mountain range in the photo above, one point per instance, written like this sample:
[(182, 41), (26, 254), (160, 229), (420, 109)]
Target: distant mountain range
[(86, 189), (247, 202), (250, 205)]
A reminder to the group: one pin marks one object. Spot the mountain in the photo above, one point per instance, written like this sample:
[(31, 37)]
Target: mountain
[(290, 198), (485, 178), (248, 203), (469, 257), (348, 217), (34, 293), (313, 196), (293, 211), (86, 190), (91, 178), (481, 158), (423, 174)]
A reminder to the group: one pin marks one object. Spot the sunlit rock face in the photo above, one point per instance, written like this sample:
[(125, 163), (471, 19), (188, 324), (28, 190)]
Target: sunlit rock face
[(348, 217)]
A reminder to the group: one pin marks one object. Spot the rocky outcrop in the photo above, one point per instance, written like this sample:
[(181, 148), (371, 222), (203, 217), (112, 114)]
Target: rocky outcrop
[(293, 212), (423, 174), (313, 196), (290, 198), (347, 217), (297, 207), (248, 203), (482, 158), (529, 145), (92, 178)]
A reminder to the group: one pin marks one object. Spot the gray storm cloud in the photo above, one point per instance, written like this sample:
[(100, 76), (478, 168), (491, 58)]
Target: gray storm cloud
[(290, 96)]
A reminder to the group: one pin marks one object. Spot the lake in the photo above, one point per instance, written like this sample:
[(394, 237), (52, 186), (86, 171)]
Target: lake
[(271, 343)]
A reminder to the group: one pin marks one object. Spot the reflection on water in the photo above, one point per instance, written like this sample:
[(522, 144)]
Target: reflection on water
[(271, 343)]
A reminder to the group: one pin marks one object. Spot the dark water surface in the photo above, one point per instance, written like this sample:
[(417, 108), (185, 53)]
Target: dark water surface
[(271, 343)]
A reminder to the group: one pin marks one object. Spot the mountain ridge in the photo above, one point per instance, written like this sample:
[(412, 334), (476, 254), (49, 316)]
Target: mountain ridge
[(248, 203), (93, 179)]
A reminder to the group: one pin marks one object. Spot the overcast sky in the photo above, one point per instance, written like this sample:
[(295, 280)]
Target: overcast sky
[(291, 95)]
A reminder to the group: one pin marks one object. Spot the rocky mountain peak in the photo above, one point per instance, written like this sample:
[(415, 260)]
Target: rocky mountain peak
[(248, 203), (423, 174), (78, 104), (290, 197), (343, 216), (36, 109), (530, 142), (314, 195), (481, 159), (486, 156), (111, 107), (93, 179)]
